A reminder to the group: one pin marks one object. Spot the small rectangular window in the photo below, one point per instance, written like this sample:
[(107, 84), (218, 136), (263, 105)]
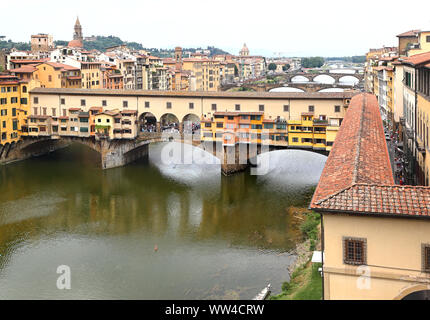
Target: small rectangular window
[(36, 100), (354, 251), (213, 107), (286, 108), (191, 105), (125, 104), (336, 108), (83, 103), (428, 39), (261, 107), (146, 104), (168, 105), (311, 108), (104, 103), (237, 107), (63, 101), (426, 257)]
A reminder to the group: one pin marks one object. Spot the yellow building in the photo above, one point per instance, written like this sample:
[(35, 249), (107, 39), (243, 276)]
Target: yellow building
[(422, 45), (231, 128), (206, 72), (423, 124), (92, 75), (57, 75), (14, 108), (314, 133)]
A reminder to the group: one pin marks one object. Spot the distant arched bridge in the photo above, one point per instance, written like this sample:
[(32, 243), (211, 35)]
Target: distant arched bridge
[(305, 87), (311, 76)]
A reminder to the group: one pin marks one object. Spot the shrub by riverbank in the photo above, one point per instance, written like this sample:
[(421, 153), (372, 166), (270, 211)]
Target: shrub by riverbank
[(305, 281)]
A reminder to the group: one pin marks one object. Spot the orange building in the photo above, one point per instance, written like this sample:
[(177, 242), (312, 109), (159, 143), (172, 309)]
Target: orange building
[(231, 128)]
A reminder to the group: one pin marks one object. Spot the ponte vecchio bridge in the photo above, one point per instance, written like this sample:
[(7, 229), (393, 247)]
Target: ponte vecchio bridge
[(58, 117)]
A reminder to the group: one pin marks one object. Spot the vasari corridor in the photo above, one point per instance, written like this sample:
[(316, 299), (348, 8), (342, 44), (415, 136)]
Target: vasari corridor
[(216, 161)]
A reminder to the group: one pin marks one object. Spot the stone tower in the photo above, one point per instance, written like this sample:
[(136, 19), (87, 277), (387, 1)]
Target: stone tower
[(77, 35), (178, 68), (178, 58)]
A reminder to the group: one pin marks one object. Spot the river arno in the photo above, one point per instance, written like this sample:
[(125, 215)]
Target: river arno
[(217, 237)]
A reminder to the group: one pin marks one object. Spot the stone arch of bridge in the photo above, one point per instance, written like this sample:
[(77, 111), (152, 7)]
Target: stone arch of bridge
[(169, 121), (147, 122), (332, 79), (33, 143), (292, 87), (349, 76)]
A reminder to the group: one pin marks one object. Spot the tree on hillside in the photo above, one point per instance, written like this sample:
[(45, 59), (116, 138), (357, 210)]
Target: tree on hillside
[(272, 66), (312, 62)]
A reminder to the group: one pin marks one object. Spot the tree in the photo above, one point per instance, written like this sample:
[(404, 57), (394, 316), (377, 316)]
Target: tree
[(286, 67), (272, 66), (236, 71), (312, 62)]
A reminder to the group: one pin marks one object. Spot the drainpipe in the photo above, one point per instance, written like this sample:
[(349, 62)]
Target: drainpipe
[(322, 254), (415, 128)]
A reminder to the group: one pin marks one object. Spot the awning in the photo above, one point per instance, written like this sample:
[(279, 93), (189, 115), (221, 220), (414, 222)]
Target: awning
[(317, 257)]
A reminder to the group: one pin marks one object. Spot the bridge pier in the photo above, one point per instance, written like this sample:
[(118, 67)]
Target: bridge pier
[(121, 153), (234, 160)]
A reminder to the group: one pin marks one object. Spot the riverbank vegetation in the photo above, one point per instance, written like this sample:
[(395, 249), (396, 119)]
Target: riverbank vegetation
[(305, 281)]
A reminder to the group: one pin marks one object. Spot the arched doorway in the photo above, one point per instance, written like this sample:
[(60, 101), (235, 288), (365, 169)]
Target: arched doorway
[(147, 122), (169, 123), (191, 124)]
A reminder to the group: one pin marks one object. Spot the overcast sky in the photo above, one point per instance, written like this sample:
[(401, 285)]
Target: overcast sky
[(293, 28)]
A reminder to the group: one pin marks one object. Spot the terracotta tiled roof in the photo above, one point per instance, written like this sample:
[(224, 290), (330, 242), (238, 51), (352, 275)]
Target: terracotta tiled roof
[(379, 199), (417, 59), (57, 65), (357, 177), (411, 33), (24, 69), (75, 44), (128, 111)]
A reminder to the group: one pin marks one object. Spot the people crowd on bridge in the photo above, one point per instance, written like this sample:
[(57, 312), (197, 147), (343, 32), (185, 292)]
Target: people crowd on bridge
[(149, 127)]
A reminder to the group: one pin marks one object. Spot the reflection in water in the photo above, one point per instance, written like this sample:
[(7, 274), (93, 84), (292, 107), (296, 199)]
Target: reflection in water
[(217, 237)]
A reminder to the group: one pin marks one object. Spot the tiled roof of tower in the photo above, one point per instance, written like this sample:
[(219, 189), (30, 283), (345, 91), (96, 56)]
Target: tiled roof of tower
[(357, 177)]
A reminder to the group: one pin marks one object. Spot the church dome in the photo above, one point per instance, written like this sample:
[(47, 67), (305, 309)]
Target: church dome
[(75, 44), (244, 51)]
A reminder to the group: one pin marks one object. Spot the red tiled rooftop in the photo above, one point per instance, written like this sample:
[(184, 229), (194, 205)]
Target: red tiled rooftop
[(417, 59), (24, 69), (379, 199), (411, 33)]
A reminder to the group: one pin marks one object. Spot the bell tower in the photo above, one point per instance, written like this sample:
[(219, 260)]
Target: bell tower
[(77, 35)]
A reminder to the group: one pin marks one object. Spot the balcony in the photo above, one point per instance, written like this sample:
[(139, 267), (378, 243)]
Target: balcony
[(321, 122)]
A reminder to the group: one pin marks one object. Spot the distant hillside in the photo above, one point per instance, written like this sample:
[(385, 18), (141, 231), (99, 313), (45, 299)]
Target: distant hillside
[(102, 42), (18, 45), (166, 53)]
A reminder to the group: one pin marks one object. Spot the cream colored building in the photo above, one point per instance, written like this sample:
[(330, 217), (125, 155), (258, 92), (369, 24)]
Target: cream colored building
[(158, 103)]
